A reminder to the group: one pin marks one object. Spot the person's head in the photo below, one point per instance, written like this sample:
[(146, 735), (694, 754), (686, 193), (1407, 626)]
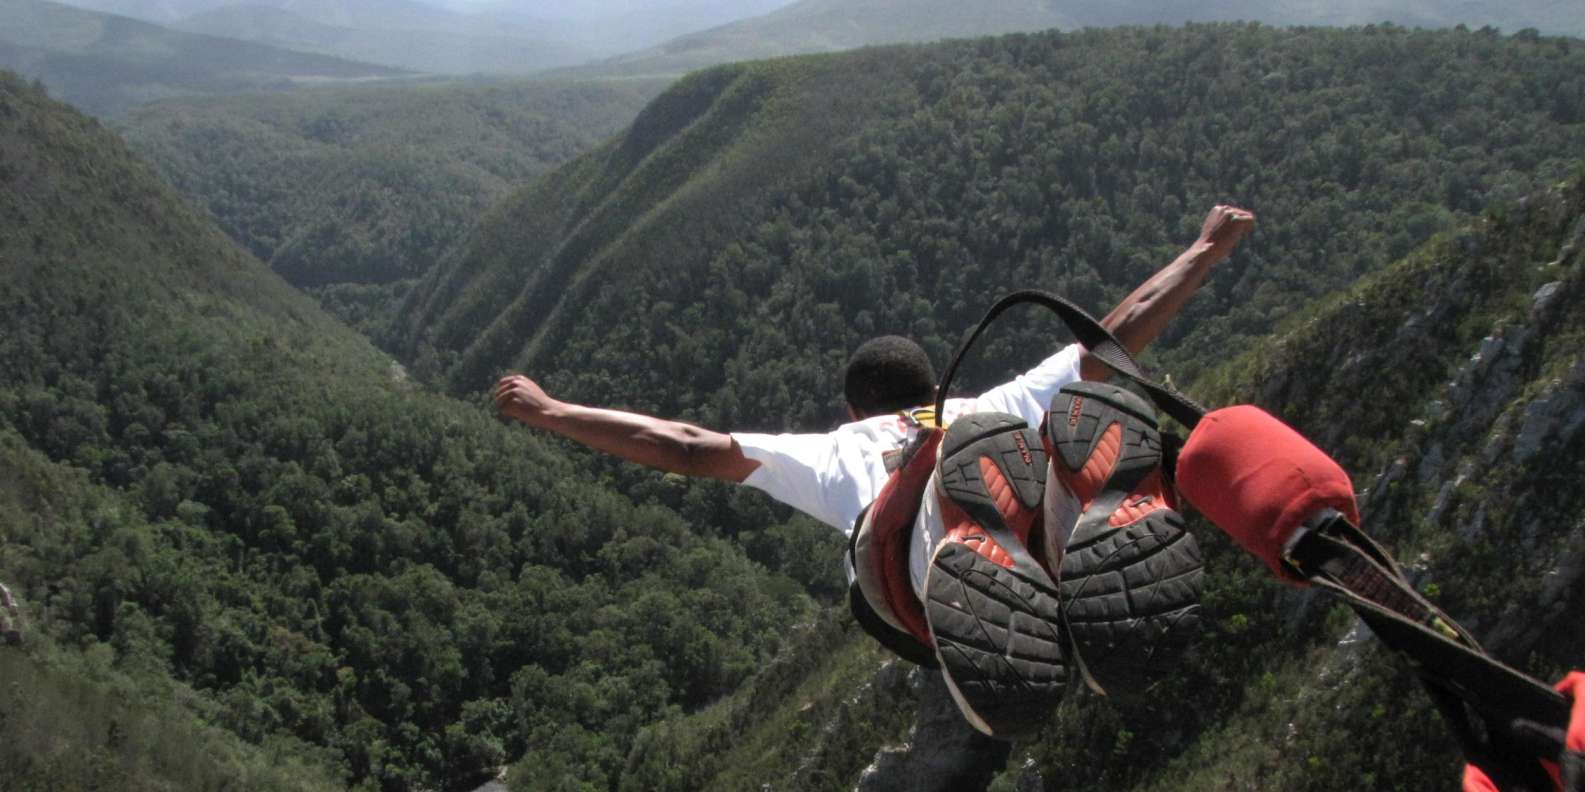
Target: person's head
[(888, 374)]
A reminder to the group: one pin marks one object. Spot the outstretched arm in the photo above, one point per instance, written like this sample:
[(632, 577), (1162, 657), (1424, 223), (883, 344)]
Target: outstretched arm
[(672, 446), (1144, 313)]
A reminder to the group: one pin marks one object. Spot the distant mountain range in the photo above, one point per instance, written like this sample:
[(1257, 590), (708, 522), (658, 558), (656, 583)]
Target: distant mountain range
[(424, 40), (493, 38), (106, 64), (617, 26), (828, 25), (607, 26), (395, 33)]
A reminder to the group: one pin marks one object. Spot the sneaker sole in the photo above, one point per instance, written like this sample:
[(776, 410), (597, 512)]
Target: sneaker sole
[(1079, 427), (998, 637), (996, 626), (1131, 602), (1002, 448), (1130, 592)]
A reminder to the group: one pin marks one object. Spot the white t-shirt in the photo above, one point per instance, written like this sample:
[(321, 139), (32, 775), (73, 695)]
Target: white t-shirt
[(834, 475)]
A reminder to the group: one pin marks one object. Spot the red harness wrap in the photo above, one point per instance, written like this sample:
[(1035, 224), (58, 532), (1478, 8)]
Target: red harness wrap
[(881, 540), (1259, 480)]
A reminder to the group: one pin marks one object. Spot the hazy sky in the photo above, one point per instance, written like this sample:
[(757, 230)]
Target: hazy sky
[(685, 11)]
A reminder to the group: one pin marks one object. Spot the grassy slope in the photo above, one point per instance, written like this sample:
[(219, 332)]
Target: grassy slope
[(108, 64)]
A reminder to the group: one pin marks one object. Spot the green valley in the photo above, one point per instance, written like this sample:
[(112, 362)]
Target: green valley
[(354, 193), (211, 485), (257, 550)]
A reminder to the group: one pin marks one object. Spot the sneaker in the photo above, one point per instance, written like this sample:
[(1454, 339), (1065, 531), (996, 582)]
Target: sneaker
[(992, 609), (10, 617), (1129, 573)]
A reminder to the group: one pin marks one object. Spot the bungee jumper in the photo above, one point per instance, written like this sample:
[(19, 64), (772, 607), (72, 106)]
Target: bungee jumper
[(1034, 531), (1007, 539), (1293, 507)]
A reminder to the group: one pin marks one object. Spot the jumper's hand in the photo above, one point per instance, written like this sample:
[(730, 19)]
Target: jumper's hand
[(521, 398), (1223, 228)]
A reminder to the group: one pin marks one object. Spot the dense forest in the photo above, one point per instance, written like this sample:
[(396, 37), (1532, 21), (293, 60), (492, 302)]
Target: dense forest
[(824, 200), (210, 484), (354, 192), (230, 515)]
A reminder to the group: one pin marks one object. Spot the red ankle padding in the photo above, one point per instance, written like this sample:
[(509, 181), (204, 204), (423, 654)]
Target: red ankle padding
[(891, 518), (1258, 480)]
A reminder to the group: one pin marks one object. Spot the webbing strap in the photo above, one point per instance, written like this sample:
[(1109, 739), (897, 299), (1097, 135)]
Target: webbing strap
[(1096, 339), (1483, 701)]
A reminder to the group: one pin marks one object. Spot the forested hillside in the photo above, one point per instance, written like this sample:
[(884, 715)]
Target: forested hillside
[(352, 193), (823, 200), (107, 64), (218, 504)]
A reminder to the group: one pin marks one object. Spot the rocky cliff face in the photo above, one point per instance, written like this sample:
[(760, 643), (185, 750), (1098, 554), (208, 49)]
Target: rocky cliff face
[(942, 754), (1453, 387), (1493, 460)]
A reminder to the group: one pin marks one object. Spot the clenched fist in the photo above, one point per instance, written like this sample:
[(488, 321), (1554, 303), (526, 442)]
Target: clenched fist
[(1224, 226), (521, 398)]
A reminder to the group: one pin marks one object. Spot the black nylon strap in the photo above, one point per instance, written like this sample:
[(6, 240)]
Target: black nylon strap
[(1482, 700), (1096, 339)]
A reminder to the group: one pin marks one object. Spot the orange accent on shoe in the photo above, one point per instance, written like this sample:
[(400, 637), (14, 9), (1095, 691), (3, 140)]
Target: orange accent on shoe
[(1088, 481), (1013, 512), (1149, 496), (963, 529)]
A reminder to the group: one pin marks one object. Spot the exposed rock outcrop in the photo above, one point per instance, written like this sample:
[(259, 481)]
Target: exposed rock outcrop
[(943, 753)]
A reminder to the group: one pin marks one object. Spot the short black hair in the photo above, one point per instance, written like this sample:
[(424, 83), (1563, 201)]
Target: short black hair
[(887, 374)]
